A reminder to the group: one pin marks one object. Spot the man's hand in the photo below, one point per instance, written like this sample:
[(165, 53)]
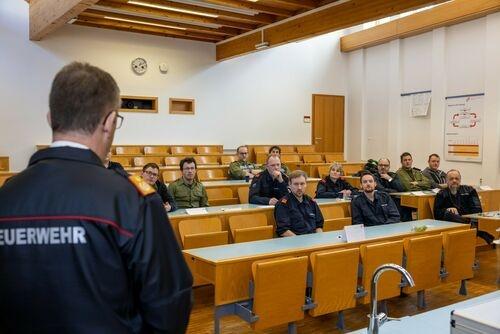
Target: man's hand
[(415, 183), (277, 176), (346, 192), (167, 206), (273, 201), (453, 210), (288, 233), (385, 176), (319, 230), (250, 175)]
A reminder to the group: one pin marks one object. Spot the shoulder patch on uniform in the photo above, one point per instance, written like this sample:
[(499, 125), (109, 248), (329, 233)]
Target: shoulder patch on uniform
[(142, 186), (283, 200)]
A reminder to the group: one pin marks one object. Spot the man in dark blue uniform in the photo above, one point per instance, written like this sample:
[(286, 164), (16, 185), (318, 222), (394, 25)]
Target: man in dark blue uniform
[(297, 213), (372, 207), (84, 249), (270, 185)]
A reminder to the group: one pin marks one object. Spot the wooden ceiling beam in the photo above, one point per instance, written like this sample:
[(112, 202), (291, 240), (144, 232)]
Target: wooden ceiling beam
[(104, 23), (330, 18), (253, 6), (307, 4), (48, 15), (447, 14), (191, 27), (175, 15)]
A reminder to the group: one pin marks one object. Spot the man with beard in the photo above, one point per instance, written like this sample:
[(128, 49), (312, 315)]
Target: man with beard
[(188, 192), (372, 207)]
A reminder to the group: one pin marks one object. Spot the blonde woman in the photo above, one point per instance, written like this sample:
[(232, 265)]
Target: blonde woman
[(333, 186)]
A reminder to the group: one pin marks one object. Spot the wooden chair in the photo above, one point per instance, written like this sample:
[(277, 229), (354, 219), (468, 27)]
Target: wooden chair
[(423, 262), (334, 281), (243, 194), (207, 160), (261, 149), (124, 161), (202, 232), (160, 150), (306, 149), (459, 250), (141, 161), (312, 158), (221, 196), (279, 301), (128, 150), (227, 159), (250, 227), (172, 161), (211, 175), (171, 175), (207, 149), (290, 158), (323, 171), (181, 150), (333, 157), (286, 148), (351, 168), (374, 255), (335, 218)]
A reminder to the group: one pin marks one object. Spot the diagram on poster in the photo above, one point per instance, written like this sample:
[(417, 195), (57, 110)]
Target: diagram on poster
[(463, 138)]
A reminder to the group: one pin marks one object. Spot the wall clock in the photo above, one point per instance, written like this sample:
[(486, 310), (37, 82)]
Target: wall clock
[(139, 66)]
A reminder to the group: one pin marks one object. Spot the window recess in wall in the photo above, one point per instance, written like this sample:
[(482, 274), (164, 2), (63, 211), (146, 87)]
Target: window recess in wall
[(181, 106), (139, 104)]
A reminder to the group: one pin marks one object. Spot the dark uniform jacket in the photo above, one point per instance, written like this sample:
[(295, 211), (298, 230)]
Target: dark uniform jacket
[(466, 201), (381, 211), (264, 187), (394, 186), (165, 195), (82, 251), (300, 218), (116, 166), (326, 188)]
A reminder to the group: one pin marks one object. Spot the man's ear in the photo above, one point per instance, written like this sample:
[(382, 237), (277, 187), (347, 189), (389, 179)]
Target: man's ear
[(109, 122), (49, 119)]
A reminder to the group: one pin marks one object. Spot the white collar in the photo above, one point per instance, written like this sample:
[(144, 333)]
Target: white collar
[(61, 143)]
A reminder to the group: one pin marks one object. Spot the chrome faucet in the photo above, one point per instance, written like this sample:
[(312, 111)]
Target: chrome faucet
[(378, 319)]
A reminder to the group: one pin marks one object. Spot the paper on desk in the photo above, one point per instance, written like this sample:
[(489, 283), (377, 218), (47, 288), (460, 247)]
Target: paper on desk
[(265, 206), (196, 211), (230, 209), (485, 188), (436, 190), (355, 233), (418, 193)]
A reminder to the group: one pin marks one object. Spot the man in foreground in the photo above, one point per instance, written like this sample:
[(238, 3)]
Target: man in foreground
[(84, 249)]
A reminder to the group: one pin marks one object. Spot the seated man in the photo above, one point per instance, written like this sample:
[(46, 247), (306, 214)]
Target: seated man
[(187, 191), (457, 200), (116, 166), (241, 168), (411, 178), (434, 174), (270, 185), (332, 186), (151, 175), (275, 151), (372, 207), (297, 213), (386, 180)]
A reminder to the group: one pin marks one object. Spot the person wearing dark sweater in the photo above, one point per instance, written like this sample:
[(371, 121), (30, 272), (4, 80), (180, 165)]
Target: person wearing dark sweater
[(151, 175), (333, 186)]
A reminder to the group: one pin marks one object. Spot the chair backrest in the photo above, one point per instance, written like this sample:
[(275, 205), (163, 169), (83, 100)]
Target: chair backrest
[(323, 171), (141, 161), (276, 300), (247, 221), (333, 211), (128, 150), (207, 160), (351, 168), (287, 149), (227, 159), (333, 157), (312, 158), (285, 158), (155, 150), (374, 255), (253, 233), (202, 232), (171, 175), (459, 251), (306, 149), (336, 224), (181, 149), (423, 261), (243, 194), (207, 149), (172, 161), (335, 278), (261, 149), (221, 196), (210, 174), (124, 161)]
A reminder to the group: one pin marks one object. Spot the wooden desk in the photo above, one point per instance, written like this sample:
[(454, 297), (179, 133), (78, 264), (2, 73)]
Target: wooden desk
[(488, 222), (4, 164), (229, 267)]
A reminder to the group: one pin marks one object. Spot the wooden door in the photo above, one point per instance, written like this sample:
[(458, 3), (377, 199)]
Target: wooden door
[(328, 123)]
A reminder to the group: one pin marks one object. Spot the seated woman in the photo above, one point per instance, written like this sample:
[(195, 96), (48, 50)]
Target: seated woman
[(333, 186), (275, 151)]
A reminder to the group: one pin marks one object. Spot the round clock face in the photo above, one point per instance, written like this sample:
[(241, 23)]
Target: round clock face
[(139, 65)]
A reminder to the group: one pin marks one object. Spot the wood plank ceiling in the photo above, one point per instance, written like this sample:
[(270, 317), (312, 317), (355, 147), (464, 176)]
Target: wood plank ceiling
[(208, 20)]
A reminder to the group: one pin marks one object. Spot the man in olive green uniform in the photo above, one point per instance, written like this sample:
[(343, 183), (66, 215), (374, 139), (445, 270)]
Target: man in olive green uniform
[(411, 178), (241, 169), (187, 191)]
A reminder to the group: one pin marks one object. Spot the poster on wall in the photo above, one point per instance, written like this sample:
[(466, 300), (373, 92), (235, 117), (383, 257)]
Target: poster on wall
[(419, 105), (463, 136)]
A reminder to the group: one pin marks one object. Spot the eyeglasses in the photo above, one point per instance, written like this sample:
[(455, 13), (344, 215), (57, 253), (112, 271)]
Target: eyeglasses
[(152, 174), (119, 119)]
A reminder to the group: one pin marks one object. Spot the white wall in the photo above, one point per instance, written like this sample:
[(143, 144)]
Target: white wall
[(461, 59), (259, 98)]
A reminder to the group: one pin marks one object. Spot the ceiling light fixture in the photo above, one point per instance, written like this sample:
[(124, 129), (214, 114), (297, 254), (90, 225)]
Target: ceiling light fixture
[(262, 45), (73, 20), (142, 22), (174, 9)]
